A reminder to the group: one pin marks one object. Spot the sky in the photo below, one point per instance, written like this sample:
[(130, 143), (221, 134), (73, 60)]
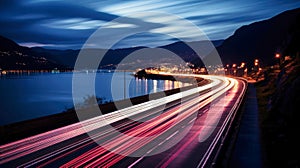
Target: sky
[(67, 24)]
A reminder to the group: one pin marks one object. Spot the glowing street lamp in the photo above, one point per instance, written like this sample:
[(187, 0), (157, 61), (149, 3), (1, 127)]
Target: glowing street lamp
[(242, 64), (234, 65), (277, 56), (256, 62), (245, 72)]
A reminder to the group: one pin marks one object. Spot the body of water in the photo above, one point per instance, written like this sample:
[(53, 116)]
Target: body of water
[(29, 96)]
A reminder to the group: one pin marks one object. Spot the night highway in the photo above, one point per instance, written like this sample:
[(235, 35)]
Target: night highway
[(180, 130)]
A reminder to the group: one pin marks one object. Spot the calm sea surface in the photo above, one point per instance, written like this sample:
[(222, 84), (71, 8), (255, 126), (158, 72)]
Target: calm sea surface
[(29, 96)]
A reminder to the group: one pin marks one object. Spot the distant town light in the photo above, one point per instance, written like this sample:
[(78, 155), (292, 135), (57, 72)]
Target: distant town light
[(256, 60), (202, 70), (287, 58), (277, 55), (234, 65)]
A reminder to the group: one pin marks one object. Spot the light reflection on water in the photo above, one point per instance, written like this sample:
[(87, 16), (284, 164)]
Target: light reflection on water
[(30, 96)]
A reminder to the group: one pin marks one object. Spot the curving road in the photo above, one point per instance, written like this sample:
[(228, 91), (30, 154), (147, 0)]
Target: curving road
[(182, 129)]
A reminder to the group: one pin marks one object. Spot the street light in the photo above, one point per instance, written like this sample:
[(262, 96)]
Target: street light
[(256, 65), (243, 64), (277, 56), (245, 72), (256, 62)]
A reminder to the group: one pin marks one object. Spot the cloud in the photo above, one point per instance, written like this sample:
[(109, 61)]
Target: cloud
[(73, 23), (55, 22), (68, 23), (33, 44)]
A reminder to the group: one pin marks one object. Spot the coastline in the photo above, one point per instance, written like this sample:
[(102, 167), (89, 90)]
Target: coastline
[(23, 129)]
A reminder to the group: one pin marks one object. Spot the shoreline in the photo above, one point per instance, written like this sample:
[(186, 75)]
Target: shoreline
[(23, 129)]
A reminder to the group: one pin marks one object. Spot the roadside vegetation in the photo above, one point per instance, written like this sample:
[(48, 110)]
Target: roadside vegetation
[(279, 99)]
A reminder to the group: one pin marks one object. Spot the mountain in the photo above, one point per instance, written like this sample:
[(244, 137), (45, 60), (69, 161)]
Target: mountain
[(19, 57), (15, 57), (69, 57), (8, 45), (261, 40), (63, 57), (184, 50), (115, 56)]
